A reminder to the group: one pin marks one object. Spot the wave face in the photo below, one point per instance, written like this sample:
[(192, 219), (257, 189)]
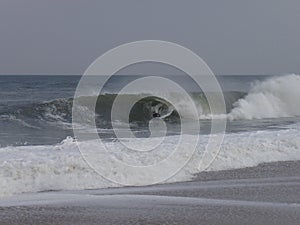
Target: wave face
[(60, 110), (49, 122), (273, 98), (61, 167)]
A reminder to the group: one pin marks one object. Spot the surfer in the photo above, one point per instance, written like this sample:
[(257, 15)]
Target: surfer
[(155, 114)]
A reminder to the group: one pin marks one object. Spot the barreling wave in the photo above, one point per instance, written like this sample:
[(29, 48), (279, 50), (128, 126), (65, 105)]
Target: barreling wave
[(272, 98), (60, 110), (275, 97)]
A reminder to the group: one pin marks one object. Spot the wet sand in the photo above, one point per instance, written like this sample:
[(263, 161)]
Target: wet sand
[(266, 194)]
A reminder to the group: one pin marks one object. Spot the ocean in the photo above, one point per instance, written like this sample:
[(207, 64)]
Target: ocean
[(38, 151)]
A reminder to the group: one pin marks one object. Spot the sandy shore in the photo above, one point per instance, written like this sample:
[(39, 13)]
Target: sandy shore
[(267, 194)]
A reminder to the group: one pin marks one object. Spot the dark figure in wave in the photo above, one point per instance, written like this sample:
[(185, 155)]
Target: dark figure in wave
[(155, 115)]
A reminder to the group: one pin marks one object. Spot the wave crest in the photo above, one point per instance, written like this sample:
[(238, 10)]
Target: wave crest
[(273, 98)]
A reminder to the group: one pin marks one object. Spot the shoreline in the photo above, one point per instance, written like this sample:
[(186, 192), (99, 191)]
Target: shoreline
[(266, 194)]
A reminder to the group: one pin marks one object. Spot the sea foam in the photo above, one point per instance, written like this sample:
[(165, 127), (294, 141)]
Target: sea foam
[(61, 166), (273, 98)]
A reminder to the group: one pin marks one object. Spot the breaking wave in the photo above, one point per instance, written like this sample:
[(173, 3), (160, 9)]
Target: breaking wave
[(60, 110), (273, 98)]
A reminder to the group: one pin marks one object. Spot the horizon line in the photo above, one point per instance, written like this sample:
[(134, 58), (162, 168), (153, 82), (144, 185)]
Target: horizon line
[(227, 74)]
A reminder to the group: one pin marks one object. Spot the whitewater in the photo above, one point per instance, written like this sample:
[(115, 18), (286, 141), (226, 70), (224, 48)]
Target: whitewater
[(61, 167), (273, 98)]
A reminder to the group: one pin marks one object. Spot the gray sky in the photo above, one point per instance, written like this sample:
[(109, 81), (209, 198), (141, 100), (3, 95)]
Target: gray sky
[(232, 36)]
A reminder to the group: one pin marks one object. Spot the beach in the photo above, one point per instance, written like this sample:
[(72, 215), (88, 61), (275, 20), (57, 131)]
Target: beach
[(266, 194)]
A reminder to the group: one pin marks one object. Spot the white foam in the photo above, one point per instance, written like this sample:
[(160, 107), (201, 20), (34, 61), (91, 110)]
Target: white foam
[(272, 98), (61, 167)]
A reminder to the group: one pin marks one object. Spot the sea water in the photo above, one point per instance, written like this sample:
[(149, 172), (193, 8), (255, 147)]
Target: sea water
[(38, 151)]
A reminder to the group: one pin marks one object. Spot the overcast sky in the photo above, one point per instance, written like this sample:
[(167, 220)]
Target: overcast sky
[(232, 36)]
